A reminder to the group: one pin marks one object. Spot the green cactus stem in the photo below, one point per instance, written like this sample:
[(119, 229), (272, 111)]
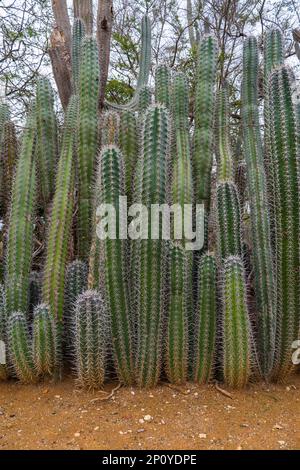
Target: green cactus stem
[(61, 218), (90, 332), (20, 348), (3, 338), (128, 140), (235, 325), (44, 341), (78, 34), (206, 320), (163, 85), (223, 146), (258, 197)]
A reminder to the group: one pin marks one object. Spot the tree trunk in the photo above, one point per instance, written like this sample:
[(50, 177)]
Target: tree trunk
[(60, 51), (84, 9), (104, 30)]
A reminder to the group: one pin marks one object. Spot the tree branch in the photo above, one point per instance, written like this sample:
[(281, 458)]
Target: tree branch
[(84, 9), (104, 30)]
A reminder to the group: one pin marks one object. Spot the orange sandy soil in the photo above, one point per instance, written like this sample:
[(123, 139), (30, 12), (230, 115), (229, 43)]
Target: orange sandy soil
[(57, 416)]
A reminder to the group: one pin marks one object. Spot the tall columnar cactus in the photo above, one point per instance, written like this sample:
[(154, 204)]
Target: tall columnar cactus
[(61, 218), (20, 350), (273, 52), (177, 328), (35, 289), (4, 117), (128, 140), (44, 341), (228, 220), (20, 230), (163, 85), (148, 277), (9, 154), (260, 220), (87, 140), (236, 329), (78, 34), (223, 145), (46, 139), (3, 337), (144, 100), (204, 113), (90, 331), (111, 187), (206, 320), (286, 199), (110, 128)]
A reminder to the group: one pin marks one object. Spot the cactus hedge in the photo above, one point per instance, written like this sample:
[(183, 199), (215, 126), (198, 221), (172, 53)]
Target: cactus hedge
[(148, 308)]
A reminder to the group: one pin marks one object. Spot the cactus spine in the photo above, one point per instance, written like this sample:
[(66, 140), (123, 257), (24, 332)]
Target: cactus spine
[(88, 139), (44, 341), (205, 327), (223, 146), (78, 34), (228, 217), (260, 221), (9, 156), (162, 85), (236, 325), (286, 198), (128, 139), (90, 331), (20, 230), (204, 112), (46, 142), (145, 100), (177, 333), (149, 272), (61, 218), (112, 186), (20, 348)]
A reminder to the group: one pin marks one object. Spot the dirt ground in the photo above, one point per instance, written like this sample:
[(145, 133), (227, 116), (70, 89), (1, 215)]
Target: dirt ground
[(57, 416)]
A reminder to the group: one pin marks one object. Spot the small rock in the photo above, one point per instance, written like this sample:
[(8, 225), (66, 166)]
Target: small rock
[(244, 425), (277, 426), (287, 389), (77, 434), (148, 418), (57, 396), (202, 436), (141, 421), (196, 394), (96, 428), (239, 447), (281, 443), (132, 392), (140, 430)]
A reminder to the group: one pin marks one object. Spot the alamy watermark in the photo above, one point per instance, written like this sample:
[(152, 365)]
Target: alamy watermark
[(156, 221)]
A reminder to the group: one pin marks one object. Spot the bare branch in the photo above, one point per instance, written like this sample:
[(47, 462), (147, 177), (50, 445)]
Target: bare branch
[(104, 30)]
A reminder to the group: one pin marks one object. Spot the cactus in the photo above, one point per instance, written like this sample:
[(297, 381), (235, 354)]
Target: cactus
[(162, 85), (236, 327), (61, 218), (44, 341), (204, 112), (110, 128), (128, 140), (20, 230), (228, 220), (78, 34), (90, 331), (145, 100), (286, 196), (177, 329), (20, 351), (206, 320), (223, 147), (112, 186), (4, 117), (46, 139), (35, 290), (87, 140), (3, 320), (273, 52), (9, 156), (148, 277), (260, 220)]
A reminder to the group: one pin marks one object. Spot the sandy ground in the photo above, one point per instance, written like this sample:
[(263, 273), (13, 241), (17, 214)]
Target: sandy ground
[(57, 416)]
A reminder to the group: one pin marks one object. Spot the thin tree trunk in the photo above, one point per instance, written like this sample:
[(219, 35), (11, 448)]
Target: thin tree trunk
[(190, 18), (60, 51), (84, 9), (104, 30)]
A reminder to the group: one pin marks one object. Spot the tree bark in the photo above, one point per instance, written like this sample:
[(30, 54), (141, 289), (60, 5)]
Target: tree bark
[(84, 9), (60, 51), (104, 30), (60, 60)]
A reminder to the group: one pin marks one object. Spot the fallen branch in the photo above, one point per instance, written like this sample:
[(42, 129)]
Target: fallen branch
[(109, 394), (222, 391)]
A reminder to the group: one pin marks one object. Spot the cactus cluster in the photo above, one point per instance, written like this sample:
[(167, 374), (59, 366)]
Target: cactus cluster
[(150, 308)]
